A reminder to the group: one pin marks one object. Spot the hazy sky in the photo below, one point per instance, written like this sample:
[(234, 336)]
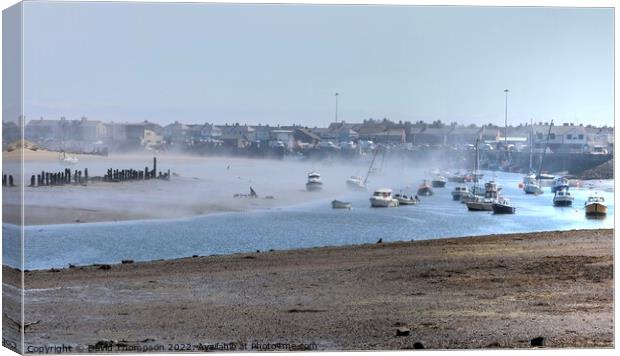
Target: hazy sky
[(283, 64)]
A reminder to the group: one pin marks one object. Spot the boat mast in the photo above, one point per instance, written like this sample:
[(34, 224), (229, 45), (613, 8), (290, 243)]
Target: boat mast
[(371, 163), (476, 166), (531, 138), (542, 157)]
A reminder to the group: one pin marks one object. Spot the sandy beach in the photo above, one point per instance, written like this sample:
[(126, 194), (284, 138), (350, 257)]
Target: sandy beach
[(498, 291)]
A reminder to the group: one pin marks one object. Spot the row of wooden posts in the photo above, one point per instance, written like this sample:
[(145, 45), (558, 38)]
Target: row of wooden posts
[(7, 180), (59, 178), (123, 175), (81, 177)]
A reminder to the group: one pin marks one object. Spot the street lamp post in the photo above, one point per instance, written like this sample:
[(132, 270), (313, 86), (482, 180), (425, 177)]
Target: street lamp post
[(506, 121), (336, 95)]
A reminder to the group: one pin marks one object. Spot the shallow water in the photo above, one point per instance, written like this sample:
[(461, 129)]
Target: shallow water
[(303, 225)]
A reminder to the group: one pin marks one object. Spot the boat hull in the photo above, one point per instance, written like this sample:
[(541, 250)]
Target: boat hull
[(355, 185), (383, 203), (503, 209), (407, 201), (312, 186), (478, 206), (596, 209), (532, 189), (425, 191), (337, 204), (438, 184), (562, 202)]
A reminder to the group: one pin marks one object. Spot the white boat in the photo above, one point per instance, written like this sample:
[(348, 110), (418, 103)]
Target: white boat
[(382, 198), (530, 185), (405, 199), (595, 206), (562, 197), (459, 191), (439, 181), (356, 183), (67, 160), (337, 204), (314, 182)]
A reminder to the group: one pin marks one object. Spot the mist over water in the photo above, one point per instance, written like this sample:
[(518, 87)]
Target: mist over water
[(294, 219)]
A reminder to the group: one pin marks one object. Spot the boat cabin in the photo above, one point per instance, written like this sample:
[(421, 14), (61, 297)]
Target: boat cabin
[(383, 193)]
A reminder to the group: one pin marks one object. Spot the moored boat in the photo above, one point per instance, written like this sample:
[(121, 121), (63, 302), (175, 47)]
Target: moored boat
[(530, 185), (382, 198), (478, 203), (459, 191), (314, 182), (562, 197), (559, 183), (337, 204), (67, 160), (356, 183), (425, 189), (595, 206), (405, 200), (456, 177), (503, 206), (439, 181)]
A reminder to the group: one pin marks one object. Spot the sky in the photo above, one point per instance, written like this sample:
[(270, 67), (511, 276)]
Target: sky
[(282, 64)]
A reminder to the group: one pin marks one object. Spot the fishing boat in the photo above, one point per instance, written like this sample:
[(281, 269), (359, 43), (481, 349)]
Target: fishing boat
[(382, 198), (439, 181), (405, 200), (459, 191), (478, 203), (425, 189), (503, 206), (595, 206), (314, 182), (560, 183), (562, 197), (356, 183), (337, 204)]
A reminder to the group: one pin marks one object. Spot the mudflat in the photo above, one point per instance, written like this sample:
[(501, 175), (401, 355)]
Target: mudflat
[(498, 291)]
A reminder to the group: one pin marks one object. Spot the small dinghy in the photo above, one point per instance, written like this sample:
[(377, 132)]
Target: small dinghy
[(337, 204), (405, 200)]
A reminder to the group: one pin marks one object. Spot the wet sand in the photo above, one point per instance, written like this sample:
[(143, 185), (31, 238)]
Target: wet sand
[(204, 185), (491, 291)]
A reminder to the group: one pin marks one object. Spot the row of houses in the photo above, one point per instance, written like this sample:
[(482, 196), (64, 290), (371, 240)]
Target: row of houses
[(559, 138), (86, 134)]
